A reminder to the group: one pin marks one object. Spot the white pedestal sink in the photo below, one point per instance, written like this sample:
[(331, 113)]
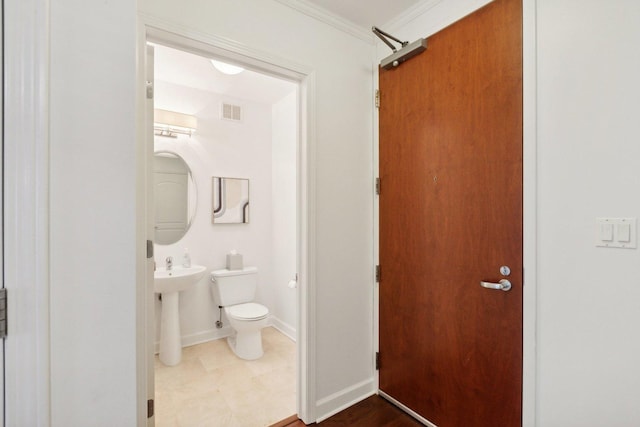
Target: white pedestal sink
[(169, 283)]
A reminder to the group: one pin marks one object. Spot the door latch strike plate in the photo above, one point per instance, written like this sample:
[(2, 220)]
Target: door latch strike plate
[(149, 249)]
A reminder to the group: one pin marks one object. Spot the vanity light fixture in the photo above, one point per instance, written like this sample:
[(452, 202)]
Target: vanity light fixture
[(170, 123), (225, 68)]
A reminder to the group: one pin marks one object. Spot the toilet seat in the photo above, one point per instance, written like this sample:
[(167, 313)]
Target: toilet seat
[(248, 311)]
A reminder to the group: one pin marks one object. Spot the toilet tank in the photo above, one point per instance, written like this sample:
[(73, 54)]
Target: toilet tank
[(231, 287)]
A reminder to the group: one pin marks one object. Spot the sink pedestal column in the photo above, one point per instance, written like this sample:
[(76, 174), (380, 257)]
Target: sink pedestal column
[(170, 340)]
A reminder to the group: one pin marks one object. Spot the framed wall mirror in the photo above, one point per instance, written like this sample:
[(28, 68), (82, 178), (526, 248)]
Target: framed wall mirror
[(174, 197), (230, 200)]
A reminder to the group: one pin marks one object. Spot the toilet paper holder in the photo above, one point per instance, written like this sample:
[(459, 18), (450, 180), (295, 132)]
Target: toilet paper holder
[(293, 283)]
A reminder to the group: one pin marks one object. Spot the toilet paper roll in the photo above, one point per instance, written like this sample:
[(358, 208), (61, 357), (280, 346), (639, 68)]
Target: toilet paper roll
[(292, 284)]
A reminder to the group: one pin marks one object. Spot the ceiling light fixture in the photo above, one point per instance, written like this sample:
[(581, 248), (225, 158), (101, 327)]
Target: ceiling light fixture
[(170, 123), (225, 68)]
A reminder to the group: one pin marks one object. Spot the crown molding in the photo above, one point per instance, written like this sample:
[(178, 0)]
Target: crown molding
[(307, 8), (410, 14)]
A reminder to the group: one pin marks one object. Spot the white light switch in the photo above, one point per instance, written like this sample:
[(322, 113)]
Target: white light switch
[(616, 232), (623, 233), (606, 232)]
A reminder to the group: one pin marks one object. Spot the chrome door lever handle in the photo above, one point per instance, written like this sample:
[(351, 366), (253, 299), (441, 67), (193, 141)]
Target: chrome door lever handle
[(503, 285)]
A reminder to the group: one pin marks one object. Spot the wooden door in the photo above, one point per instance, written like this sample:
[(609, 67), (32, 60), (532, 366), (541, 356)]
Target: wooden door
[(450, 217)]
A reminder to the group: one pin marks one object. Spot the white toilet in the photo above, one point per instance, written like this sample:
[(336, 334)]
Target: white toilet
[(234, 290)]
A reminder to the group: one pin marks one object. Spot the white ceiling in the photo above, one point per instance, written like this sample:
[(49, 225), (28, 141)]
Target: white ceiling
[(366, 13), (186, 69)]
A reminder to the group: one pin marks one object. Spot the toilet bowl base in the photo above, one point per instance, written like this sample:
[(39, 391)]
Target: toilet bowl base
[(246, 345)]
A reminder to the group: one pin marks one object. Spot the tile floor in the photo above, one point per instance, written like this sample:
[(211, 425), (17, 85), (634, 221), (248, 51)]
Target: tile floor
[(212, 387)]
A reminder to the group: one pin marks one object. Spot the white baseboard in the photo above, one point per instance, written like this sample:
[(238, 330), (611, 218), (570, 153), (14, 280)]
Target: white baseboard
[(204, 336), (285, 328), (216, 334), (201, 337), (343, 399)]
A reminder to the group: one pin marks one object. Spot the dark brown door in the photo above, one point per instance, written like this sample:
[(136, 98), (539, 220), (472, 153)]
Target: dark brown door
[(451, 217)]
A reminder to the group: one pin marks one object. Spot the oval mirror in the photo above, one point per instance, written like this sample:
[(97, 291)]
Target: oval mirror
[(174, 194)]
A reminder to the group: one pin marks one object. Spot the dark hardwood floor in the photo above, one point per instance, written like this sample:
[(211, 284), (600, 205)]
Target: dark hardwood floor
[(371, 412)]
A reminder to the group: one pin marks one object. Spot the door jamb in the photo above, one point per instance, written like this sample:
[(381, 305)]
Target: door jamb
[(529, 212), (200, 43)]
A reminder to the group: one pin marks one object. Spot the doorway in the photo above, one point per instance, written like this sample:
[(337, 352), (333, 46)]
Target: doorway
[(451, 245), (229, 140)]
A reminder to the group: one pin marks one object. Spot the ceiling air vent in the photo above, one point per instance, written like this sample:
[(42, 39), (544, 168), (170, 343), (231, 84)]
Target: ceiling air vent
[(231, 112)]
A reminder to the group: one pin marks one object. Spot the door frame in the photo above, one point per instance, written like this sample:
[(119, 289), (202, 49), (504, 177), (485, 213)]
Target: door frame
[(26, 171), (183, 38), (2, 370), (529, 163)]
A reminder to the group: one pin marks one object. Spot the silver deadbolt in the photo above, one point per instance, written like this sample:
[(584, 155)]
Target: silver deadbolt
[(505, 270)]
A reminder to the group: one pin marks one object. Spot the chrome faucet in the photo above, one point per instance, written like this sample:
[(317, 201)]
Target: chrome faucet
[(169, 263)]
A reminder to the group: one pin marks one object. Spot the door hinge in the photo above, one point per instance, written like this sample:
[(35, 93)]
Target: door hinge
[(377, 360), (150, 407), (377, 98), (378, 186), (378, 274), (149, 86), (3, 313), (149, 249)]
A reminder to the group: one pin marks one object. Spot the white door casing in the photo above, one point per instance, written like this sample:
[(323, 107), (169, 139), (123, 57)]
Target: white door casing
[(26, 215), (203, 44)]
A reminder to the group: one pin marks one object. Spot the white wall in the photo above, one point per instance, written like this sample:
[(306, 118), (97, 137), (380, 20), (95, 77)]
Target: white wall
[(93, 177), (283, 197), (93, 212), (588, 148), (228, 149), (343, 170), (587, 87)]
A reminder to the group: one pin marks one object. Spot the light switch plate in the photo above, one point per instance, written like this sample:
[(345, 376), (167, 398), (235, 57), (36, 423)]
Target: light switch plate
[(616, 233)]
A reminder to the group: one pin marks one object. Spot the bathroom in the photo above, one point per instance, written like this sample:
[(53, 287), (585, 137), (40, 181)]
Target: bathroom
[(246, 129)]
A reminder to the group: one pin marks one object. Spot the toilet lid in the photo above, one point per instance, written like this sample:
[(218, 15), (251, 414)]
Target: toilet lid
[(250, 310)]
